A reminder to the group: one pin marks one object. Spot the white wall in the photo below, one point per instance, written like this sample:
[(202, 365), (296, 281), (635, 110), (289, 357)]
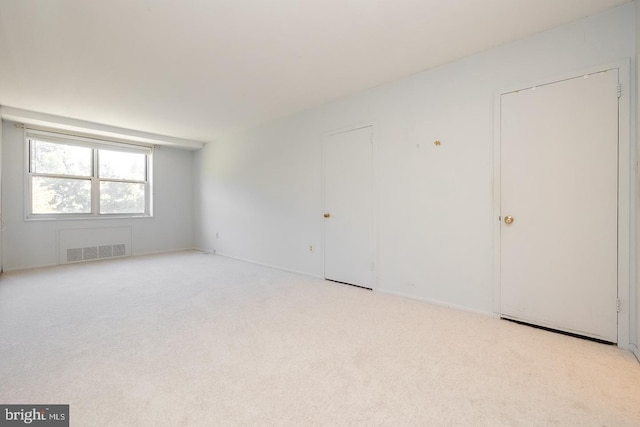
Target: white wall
[(635, 331), (261, 189), (1, 213), (34, 243)]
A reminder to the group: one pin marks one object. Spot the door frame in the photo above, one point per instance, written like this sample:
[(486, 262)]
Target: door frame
[(374, 155), (625, 153), (1, 212)]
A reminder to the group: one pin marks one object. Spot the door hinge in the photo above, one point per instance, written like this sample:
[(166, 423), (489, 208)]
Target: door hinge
[(617, 305), (619, 90)]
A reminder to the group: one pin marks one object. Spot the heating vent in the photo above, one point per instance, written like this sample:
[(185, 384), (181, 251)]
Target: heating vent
[(74, 255), (87, 244), (96, 252)]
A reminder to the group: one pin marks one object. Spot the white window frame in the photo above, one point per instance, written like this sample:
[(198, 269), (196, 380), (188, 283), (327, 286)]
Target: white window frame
[(96, 145)]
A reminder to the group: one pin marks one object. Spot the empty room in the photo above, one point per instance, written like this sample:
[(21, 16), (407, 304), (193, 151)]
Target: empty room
[(304, 212)]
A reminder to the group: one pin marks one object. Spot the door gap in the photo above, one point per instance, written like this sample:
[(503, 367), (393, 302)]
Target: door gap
[(349, 284), (557, 331)]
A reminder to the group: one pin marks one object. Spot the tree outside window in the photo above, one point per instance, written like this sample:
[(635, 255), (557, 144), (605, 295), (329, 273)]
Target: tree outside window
[(76, 179)]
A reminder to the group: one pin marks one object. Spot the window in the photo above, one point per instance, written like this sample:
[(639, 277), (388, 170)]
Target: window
[(71, 176)]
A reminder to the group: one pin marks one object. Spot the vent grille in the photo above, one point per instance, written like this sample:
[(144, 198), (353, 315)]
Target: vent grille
[(105, 251), (90, 253), (74, 255), (119, 250), (96, 252)]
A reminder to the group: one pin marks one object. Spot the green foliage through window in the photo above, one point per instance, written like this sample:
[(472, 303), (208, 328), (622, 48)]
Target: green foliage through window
[(87, 179)]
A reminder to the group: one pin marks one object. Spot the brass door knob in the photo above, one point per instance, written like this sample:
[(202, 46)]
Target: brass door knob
[(508, 219), (327, 215)]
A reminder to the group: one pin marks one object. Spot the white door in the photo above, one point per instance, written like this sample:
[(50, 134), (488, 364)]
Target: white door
[(559, 172), (348, 207)]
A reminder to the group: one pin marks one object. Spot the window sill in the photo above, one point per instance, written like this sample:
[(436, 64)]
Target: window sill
[(37, 218)]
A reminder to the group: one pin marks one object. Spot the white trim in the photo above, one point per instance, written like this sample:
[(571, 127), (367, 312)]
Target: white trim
[(374, 202), (624, 62), (133, 255), (26, 175), (84, 141), (323, 204), (262, 264), (624, 196), (59, 123), (437, 302), (497, 207), (30, 135), (635, 350), (348, 129), (1, 213), (624, 204)]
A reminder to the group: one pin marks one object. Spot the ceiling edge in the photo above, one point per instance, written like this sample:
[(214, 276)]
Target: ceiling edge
[(54, 122)]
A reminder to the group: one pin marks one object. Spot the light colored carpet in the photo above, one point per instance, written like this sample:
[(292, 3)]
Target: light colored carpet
[(192, 339)]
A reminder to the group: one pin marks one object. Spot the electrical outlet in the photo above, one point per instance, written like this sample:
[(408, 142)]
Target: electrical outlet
[(217, 235), (310, 249)]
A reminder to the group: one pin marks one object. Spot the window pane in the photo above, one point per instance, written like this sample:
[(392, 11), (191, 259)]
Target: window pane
[(122, 165), (121, 197), (60, 195), (61, 159)]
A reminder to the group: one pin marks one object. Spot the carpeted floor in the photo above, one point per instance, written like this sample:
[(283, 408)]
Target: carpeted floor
[(192, 339)]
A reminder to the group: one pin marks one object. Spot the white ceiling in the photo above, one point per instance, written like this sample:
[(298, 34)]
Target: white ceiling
[(197, 68)]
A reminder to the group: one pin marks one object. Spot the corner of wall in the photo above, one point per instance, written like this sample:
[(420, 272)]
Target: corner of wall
[(635, 302)]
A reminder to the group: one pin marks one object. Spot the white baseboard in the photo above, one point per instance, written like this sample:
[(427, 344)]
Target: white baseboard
[(262, 264), (164, 251), (31, 267), (385, 291), (437, 302)]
